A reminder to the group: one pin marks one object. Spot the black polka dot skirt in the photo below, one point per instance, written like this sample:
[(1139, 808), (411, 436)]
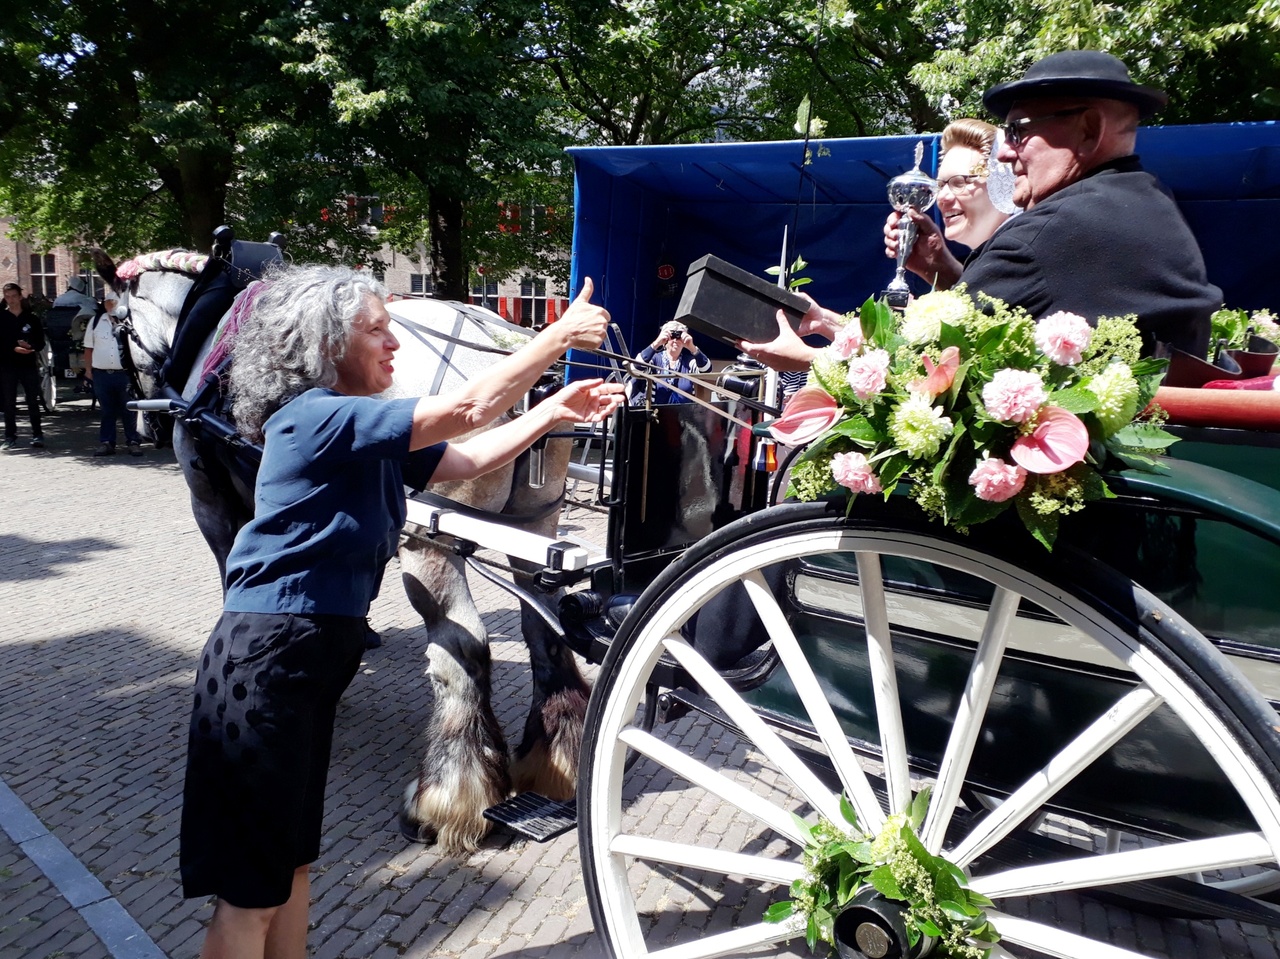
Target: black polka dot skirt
[(267, 688)]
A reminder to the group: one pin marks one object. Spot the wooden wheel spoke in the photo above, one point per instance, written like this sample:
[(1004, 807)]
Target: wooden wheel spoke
[(884, 681), (969, 716), (815, 701), (1053, 941), (1073, 758), (698, 773), (764, 869), (740, 712), (1175, 859), (732, 943)]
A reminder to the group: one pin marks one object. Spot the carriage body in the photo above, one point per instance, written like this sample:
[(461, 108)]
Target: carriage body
[(1099, 719)]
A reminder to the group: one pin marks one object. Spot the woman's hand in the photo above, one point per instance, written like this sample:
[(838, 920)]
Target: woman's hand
[(785, 352), (585, 401), (583, 325), (929, 258)]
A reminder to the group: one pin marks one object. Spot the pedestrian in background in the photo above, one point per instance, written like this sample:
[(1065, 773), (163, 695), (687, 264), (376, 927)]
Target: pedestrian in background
[(106, 374), (21, 342)]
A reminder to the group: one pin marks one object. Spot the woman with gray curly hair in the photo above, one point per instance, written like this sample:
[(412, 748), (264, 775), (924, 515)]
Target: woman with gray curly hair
[(328, 508)]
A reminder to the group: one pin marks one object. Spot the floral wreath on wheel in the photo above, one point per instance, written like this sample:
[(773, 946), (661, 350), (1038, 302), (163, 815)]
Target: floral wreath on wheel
[(978, 407)]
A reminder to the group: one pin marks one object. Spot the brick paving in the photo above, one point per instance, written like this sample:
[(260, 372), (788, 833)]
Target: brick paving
[(107, 593)]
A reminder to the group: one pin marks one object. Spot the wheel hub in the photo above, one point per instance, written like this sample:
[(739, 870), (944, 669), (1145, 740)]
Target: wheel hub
[(872, 927)]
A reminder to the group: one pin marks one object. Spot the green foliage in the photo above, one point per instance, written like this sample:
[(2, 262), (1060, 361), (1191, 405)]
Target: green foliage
[(842, 861)]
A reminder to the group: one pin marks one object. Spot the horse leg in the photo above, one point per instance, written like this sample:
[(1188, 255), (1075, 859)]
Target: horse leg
[(546, 761), (464, 766), (219, 512)]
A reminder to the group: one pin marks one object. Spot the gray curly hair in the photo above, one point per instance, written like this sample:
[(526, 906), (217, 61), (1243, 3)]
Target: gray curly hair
[(294, 338)]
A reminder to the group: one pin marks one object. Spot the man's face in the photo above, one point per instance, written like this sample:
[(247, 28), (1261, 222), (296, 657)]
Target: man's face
[(13, 299), (1046, 159)]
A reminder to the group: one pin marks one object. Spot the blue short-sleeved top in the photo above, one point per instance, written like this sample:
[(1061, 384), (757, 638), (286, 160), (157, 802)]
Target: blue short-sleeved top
[(328, 506)]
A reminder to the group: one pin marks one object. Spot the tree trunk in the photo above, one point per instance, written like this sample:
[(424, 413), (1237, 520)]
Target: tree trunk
[(449, 271), (198, 182)]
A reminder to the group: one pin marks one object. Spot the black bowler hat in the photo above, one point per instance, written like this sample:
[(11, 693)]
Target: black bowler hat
[(1075, 73)]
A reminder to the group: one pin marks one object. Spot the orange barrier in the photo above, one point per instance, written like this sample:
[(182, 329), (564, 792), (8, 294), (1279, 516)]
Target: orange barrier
[(1228, 409)]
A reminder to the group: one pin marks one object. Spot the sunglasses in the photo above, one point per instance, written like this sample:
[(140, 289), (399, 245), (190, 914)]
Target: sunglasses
[(1015, 131)]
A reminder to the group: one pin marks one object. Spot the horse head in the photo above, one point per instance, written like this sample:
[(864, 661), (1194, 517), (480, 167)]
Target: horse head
[(152, 287)]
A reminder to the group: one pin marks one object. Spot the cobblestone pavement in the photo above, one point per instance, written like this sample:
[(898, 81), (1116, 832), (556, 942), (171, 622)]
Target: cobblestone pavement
[(106, 594)]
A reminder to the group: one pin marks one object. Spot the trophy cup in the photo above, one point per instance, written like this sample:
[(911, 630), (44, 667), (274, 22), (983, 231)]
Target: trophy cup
[(913, 190)]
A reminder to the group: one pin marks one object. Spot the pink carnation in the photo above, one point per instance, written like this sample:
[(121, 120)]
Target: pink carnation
[(852, 471), (1063, 337), (848, 339), (995, 481), (867, 373), (1014, 396)]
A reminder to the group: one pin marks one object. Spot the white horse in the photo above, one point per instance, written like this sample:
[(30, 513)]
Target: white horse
[(466, 767)]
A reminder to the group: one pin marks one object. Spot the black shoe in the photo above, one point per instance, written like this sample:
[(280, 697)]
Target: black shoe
[(37, 442), (9, 443), (371, 638), (106, 449), (135, 449)]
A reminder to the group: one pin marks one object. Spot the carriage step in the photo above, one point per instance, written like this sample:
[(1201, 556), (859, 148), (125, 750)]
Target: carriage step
[(535, 816)]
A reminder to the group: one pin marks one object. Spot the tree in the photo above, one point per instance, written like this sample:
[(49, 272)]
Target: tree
[(1196, 52), (136, 124)]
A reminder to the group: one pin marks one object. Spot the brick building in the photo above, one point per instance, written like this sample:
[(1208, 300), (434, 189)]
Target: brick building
[(40, 272)]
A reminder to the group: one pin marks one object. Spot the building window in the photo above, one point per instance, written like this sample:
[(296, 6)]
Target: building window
[(44, 275), (93, 283), (533, 302), (420, 283), (485, 293)]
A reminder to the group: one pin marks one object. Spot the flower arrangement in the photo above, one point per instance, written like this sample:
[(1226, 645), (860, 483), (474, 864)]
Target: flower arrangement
[(1232, 328), (839, 862), (977, 407)]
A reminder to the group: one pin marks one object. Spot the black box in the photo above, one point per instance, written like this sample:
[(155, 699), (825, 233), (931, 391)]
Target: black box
[(731, 304)]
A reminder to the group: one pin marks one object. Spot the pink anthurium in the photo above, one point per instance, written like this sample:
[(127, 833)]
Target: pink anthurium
[(809, 413), (941, 375), (1058, 441)]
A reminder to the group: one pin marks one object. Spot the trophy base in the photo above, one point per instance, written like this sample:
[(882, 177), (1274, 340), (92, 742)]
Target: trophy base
[(897, 299)]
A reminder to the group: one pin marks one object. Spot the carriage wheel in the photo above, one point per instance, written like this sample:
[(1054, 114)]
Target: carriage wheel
[(1046, 701), (49, 382)]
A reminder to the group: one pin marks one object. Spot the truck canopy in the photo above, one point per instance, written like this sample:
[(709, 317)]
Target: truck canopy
[(641, 212)]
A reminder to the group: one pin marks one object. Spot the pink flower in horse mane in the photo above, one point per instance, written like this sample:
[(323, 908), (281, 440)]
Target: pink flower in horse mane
[(1058, 441), (1013, 396), (995, 481), (1063, 337), (848, 339), (940, 376), (852, 471), (867, 373), (809, 413)]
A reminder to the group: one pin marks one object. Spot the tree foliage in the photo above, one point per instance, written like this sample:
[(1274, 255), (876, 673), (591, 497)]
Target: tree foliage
[(143, 124)]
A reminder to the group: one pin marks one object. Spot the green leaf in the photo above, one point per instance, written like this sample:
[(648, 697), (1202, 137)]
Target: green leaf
[(847, 811), (804, 827), (955, 910), (1137, 461), (913, 933), (861, 851), (1076, 400), (811, 933), (978, 899), (859, 429), (884, 883), (1143, 436), (928, 928), (919, 807), (1044, 527), (779, 911)]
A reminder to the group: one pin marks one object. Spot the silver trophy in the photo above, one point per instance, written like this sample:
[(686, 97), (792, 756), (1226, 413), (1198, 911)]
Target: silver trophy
[(913, 190)]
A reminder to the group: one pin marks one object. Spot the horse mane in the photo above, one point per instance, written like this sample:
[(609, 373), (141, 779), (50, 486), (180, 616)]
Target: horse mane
[(171, 261)]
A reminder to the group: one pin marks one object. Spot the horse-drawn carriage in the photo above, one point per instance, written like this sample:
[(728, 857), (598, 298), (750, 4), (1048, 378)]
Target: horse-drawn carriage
[(1097, 721)]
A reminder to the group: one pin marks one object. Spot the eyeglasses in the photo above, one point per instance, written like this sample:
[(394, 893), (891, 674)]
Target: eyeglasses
[(1015, 130), (960, 181)]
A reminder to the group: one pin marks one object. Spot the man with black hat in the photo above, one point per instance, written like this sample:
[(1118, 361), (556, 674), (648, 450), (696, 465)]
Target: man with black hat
[(1099, 236), (21, 340)]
